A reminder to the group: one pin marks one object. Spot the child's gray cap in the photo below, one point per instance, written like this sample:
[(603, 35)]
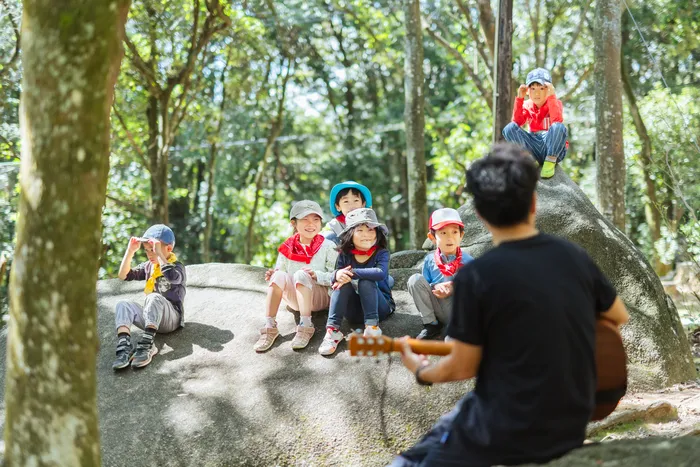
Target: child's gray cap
[(364, 216), (303, 208)]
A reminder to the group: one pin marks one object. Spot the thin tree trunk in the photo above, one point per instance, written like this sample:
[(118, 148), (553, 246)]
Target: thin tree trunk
[(503, 108), (275, 130), (652, 209), (211, 166), (414, 118), (608, 98), (70, 67)]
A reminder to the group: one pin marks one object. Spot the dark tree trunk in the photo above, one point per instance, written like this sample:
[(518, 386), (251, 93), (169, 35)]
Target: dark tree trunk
[(70, 67), (503, 107), (414, 118)]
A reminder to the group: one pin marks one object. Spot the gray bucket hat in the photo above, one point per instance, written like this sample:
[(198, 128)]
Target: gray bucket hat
[(364, 216), (303, 208)]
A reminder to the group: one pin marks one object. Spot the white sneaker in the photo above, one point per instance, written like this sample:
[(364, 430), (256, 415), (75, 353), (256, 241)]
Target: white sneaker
[(330, 342), (372, 331)]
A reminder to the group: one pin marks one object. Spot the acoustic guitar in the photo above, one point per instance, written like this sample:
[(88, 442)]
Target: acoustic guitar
[(610, 360)]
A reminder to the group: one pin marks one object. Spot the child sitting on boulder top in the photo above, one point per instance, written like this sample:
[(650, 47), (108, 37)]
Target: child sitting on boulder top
[(345, 197), (302, 276), (165, 292), (361, 283), (546, 139), (432, 290)]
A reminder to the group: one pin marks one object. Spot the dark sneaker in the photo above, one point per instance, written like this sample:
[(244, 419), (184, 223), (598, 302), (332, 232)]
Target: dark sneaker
[(145, 350), (430, 331), (124, 353)]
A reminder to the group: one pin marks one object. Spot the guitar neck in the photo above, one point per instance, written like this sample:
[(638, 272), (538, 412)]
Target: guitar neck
[(425, 347)]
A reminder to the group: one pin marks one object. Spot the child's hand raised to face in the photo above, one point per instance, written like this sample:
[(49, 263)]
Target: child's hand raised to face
[(134, 245), (550, 89), (522, 91)]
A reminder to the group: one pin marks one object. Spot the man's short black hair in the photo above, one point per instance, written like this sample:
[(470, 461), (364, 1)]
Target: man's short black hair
[(345, 191), (502, 184)]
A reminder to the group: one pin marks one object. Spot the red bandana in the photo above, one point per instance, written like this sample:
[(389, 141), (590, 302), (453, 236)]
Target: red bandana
[(341, 218), (364, 252), (293, 249), (448, 269)]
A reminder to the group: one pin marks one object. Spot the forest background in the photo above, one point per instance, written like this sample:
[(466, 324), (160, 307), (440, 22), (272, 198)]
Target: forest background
[(225, 114)]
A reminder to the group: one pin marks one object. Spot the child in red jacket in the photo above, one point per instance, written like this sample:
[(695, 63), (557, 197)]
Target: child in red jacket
[(546, 139)]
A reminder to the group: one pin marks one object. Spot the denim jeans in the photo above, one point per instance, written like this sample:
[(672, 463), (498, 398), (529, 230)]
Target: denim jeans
[(367, 305), (540, 144)]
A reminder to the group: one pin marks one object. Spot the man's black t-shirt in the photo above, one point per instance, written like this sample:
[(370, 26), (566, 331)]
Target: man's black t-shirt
[(531, 305)]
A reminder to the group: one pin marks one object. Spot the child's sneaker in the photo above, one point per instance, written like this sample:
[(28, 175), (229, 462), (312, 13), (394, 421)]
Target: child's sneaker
[(124, 353), (267, 338), (302, 337), (548, 169), (372, 331), (330, 342), (145, 350)]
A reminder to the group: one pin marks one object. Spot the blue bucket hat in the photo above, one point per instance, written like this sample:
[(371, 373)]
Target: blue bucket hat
[(538, 75), (159, 232), (349, 184)]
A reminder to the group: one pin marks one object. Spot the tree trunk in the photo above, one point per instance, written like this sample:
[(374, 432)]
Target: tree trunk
[(70, 67), (608, 99), (414, 118), (275, 130), (503, 70), (652, 209)]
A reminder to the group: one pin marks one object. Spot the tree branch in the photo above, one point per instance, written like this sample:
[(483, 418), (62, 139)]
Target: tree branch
[(474, 31), (467, 67), (142, 67), (129, 206), (15, 30), (583, 77), (488, 24), (130, 137)]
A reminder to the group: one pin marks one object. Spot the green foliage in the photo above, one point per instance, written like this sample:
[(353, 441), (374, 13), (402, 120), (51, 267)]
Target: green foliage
[(343, 114)]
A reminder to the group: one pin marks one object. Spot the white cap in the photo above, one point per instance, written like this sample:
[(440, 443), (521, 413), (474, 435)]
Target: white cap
[(444, 217)]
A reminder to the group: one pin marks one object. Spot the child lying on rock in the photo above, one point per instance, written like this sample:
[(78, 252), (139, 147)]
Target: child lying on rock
[(301, 276)]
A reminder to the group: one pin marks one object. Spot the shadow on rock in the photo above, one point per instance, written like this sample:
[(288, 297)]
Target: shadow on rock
[(181, 343)]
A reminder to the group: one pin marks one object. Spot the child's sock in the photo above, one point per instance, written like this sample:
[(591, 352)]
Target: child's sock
[(123, 334), (270, 322), (306, 322)]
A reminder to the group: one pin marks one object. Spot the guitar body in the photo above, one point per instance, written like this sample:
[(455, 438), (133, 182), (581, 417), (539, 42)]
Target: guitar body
[(610, 360)]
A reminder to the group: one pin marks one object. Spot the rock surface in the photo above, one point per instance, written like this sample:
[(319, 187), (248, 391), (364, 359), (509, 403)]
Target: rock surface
[(208, 399), (657, 347)]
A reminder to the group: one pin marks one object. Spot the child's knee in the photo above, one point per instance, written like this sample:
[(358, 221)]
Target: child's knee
[(510, 130), (558, 128), (366, 284), (153, 299), (302, 277), (279, 278), (416, 280)]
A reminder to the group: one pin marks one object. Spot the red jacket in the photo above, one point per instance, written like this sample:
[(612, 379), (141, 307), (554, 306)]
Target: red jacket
[(540, 119)]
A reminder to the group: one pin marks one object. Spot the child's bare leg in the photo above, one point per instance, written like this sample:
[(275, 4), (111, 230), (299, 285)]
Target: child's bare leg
[(274, 298), (304, 297), (123, 329)]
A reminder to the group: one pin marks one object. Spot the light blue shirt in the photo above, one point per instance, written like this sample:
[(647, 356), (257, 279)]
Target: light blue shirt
[(432, 273)]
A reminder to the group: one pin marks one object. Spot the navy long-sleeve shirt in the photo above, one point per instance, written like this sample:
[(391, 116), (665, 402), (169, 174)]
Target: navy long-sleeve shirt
[(376, 269)]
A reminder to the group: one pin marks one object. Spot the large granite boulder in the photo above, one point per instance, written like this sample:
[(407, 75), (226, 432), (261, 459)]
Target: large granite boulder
[(657, 347), (208, 399)]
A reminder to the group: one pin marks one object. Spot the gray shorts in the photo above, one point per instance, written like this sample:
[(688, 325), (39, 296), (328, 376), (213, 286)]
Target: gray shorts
[(156, 312)]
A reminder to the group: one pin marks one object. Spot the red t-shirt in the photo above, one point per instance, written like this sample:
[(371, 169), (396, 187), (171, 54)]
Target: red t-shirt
[(540, 119)]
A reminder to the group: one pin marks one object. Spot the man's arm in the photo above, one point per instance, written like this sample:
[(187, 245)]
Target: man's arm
[(617, 313), (462, 363)]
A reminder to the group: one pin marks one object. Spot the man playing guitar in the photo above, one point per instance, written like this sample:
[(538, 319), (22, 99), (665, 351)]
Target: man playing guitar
[(523, 322)]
